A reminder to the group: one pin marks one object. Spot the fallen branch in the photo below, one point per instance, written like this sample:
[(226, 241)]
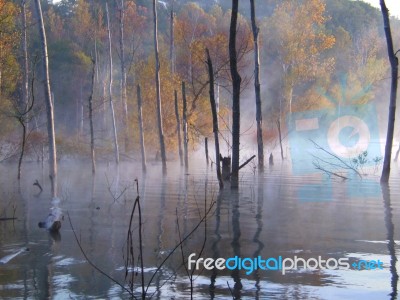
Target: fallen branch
[(344, 164), (242, 165), (7, 219), (318, 167)]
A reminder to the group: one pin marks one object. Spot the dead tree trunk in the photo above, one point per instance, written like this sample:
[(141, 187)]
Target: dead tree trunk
[(278, 124), (236, 81), (123, 74), (394, 63), (215, 119), (21, 156), (116, 150), (260, 143), (178, 127), (172, 42), (206, 149), (90, 104), (184, 121), (49, 103), (159, 115), (141, 133), (25, 50)]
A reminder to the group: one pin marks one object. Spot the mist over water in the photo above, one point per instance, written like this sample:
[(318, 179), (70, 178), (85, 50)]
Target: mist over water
[(275, 214)]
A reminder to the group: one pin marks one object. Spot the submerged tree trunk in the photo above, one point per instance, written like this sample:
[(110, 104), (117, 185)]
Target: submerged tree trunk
[(116, 150), (178, 127), (278, 124), (21, 156), (123, 74), (49, 103), (90, 104), (215, 119), (140, 120), (394, 63), (159, 115), (236, 81), (260, 143), (185, 132)]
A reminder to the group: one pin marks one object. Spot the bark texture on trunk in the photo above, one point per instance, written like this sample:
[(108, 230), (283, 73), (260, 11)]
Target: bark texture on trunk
[(159, 110), (215, 120), (49, 103), (184, 122), (116, 149), (257, 88), (141, 133), (123, 73), (90, 105), (178, 127), (394, 64), (236, 81)]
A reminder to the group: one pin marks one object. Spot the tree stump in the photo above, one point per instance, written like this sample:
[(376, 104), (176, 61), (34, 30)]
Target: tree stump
[(226, 167)]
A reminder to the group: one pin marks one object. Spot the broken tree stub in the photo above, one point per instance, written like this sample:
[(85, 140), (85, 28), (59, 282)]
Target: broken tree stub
[(226, 167)]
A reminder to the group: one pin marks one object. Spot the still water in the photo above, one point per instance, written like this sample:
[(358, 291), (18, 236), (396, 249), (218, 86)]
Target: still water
[(274, 214)]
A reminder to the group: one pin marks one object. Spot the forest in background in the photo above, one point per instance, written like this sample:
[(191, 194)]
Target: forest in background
[(309, 49)]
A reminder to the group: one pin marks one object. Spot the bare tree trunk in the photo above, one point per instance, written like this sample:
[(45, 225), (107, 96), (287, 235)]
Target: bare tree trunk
[(178, 128), (394, 63), (92, 152), (159, 115), (236, 81), (139, 100), (116, 150), (215, 120), (123, 73), (49, 104), (206, 149), (25, 50), (397, 154), (278, 124), (21, 121), (260, 143), (172, 42), (184, 122)]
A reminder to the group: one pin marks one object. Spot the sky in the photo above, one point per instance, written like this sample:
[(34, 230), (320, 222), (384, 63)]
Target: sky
[(392, 5)]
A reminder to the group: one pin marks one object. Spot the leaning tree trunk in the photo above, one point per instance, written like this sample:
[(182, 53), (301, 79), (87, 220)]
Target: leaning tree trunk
[(159, 115), (90, 104), (278, 124), (116, 150), (123, 74), (185, 131), (394, 63), (178, 128), (260, 144), (236, 81), (215, 120), (140, 120), (49, 103)]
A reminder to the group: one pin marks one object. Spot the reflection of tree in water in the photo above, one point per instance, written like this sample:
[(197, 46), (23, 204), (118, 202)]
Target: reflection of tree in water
[(236, 242), (160, 244), (256, 238), (390, 237), (215, 244)]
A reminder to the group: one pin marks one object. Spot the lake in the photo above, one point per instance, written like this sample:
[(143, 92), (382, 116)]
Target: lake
[(275, 216)]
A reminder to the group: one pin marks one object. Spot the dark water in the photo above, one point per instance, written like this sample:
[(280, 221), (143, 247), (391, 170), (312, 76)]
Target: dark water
[(276, 214)]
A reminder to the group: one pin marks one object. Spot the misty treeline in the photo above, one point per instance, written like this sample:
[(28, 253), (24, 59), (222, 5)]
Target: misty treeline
[(306, 49)]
